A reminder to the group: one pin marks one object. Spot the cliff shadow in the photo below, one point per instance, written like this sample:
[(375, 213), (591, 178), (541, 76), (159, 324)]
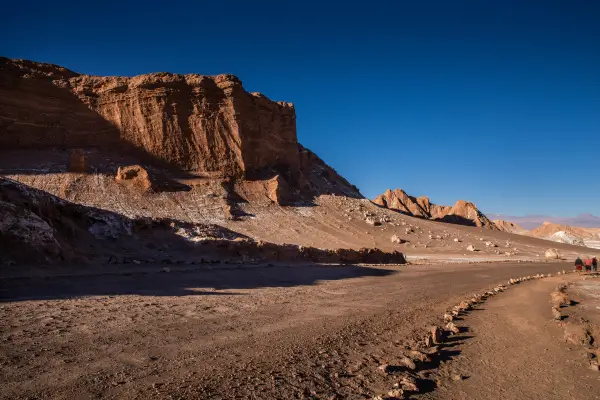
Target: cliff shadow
[(153, 281), (457, 220), (105, 253), (49, 129)]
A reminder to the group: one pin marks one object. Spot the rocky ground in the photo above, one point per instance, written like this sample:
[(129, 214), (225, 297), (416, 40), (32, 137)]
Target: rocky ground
[(295, 331)]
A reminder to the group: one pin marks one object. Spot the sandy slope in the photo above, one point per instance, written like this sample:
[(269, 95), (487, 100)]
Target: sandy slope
[(328, 221)]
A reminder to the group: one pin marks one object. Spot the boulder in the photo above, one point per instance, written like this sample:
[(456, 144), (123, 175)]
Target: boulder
[(396, 239), (436, 335), (577, 334), (372, 221), (135, 175), (552, 254), (451, 327), (471, 248)]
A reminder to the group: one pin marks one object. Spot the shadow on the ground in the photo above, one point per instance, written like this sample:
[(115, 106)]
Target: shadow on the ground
[(190, 282)]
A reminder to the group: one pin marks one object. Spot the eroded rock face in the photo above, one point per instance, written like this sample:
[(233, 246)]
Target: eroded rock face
[(192, 122), (463, 212)]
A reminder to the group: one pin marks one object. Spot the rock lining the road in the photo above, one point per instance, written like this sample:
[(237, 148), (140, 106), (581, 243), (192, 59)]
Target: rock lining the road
[(579, 332), (437, 335)]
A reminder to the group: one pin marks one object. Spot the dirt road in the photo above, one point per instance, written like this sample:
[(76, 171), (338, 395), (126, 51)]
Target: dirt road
[(515, 350), (255, 332)]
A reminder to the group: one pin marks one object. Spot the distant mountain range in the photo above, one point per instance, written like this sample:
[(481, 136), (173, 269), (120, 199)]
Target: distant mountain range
[(533, 221)]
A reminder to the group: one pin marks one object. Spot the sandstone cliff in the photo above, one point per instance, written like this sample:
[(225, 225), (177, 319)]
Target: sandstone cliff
[(463, 212), (206, 124), (207, 127)]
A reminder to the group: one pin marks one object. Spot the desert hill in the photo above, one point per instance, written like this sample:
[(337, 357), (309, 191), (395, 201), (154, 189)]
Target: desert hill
[(529, 222), (589, 237), (191, 158)]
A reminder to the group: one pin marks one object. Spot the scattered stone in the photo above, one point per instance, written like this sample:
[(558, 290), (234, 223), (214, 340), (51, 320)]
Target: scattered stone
[(556, 314), (418, 356), (464, 306), (396, 393), (384, 368), (552, 254), (408, 363), (436, 335), (409, 384), (372, 221), (451, 327), (396, 239), (577, 334), (559, 297)]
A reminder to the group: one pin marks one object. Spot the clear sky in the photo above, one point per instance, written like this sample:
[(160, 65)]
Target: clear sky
[(497, 102)]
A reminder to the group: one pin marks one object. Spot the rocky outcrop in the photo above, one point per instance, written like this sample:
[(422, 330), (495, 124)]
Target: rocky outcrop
[(463, 212), (192, 122), (507, 226)]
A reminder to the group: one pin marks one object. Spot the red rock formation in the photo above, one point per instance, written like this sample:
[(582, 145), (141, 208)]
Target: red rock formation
[(398, 200), (507, 226), (193, 122), (208, 125), (463, 212), (135, 175)]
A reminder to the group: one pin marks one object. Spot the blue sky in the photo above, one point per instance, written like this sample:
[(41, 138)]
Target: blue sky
[(497, 102)]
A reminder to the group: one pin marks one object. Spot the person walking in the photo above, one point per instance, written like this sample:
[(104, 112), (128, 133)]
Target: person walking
[(588, 265), (578, 264), (595, 264)]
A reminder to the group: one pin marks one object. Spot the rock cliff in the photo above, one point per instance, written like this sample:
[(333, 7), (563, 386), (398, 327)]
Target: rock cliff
[(463, 212), (205, 124)]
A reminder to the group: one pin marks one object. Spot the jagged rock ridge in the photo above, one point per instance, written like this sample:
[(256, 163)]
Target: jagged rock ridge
[(463, 212)]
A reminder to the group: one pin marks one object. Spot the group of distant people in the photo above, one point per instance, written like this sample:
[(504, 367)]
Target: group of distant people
[(589, 264)]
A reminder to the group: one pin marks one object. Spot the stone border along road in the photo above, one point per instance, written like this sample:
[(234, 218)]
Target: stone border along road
[(427, 349), (580, 332)]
